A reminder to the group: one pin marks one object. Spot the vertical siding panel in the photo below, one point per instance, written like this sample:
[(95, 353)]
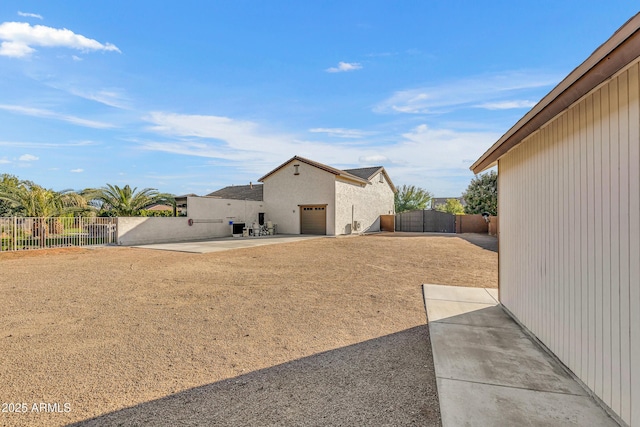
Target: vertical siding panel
[(615, 245), (551, 231), (606, 244), (575, 241), (565, 260), (598, 206), (560, 159), (634, 240), (557, 230), (529, 189), (538, 284), (583, 282), (625, 362), (590, 325)]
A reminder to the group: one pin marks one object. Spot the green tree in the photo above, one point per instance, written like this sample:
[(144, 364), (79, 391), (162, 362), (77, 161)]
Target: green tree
[(8, 185), (410, 197), (113, 200), (482, 194), (31, 200), (452, 206)]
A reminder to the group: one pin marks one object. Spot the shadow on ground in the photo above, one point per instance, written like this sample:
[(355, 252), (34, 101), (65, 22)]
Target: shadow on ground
[(482, 240), (385, 381)]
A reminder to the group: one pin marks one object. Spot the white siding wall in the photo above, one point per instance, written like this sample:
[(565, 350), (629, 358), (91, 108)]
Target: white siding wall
[(569, 208), (283, 192), (365, 204)]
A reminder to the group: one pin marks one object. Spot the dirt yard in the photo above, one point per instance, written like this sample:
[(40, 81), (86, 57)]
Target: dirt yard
[(320, 332)]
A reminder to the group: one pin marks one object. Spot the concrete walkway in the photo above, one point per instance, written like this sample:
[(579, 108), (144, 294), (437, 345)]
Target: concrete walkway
[(490, 373), (226, 243)]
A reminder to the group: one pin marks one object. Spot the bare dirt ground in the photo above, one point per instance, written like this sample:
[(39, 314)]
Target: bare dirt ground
[(320, 332)]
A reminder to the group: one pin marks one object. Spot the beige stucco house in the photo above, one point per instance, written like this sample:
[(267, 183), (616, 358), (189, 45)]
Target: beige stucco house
[(569, 209), (306, 197)]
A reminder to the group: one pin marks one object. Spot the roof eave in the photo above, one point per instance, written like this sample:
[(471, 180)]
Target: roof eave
[(612, 56)]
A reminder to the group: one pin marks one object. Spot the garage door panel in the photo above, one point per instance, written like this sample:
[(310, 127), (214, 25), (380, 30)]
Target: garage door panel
[(313, 220)]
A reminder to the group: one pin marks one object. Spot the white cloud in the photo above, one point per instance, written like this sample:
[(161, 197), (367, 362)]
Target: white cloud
[(37, 112), (507, 105), (341, 133), (376, 158), (344, 66), (111, 97), (77, 170), (4, 161), (249, 146), (19, 37), (495, 90), (28, 158), (76, 58), (45, 144), (436, 159), (30, 15)]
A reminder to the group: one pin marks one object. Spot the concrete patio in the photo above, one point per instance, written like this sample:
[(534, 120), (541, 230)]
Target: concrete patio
[(226, 243), (489, 372)]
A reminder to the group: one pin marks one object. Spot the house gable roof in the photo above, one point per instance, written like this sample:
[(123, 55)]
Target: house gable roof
[(239, 192), (329, 169), (612, 56)]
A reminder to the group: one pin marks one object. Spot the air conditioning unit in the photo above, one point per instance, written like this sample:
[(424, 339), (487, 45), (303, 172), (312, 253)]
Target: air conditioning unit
[(356, 225)]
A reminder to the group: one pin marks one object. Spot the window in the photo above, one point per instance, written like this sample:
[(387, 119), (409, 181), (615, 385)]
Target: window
[(295, 170)]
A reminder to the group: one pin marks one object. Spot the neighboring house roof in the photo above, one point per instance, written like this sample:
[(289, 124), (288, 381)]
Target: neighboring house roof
[(370, 173), (239, 192), (158, 207), (612, 56), (365, 173), (362, 175)]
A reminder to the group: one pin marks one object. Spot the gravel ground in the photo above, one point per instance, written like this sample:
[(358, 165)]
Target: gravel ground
[(319, 332)]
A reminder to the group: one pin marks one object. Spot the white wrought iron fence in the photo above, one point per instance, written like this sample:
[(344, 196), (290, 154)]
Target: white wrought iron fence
[(20, 233)]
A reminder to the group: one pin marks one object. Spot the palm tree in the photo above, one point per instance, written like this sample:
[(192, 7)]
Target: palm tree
[(126, 201), (31, 200)]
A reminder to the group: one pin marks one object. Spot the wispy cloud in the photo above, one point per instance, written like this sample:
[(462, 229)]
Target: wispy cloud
[(507, 105), (28, 158), (437, 159), (111, 97), (344, 66), (30, 15), (4, 161), (45, 144), (77, 170), (19, 37), (251, 146), (484, 91), (374, 159), (38, 112), (342, 133)]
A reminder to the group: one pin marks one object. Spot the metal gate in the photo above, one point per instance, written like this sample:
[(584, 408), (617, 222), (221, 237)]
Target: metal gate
[(426, 221)]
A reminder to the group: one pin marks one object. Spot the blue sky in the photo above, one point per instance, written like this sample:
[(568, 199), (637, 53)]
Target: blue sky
[(191, 96)]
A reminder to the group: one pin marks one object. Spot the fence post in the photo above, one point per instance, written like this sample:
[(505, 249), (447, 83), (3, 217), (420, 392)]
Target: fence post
[(15, 233)]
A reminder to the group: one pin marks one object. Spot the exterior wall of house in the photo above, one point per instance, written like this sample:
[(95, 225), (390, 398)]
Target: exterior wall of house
[(364, 204), (569, 209), (210, 218), (284, 192)]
